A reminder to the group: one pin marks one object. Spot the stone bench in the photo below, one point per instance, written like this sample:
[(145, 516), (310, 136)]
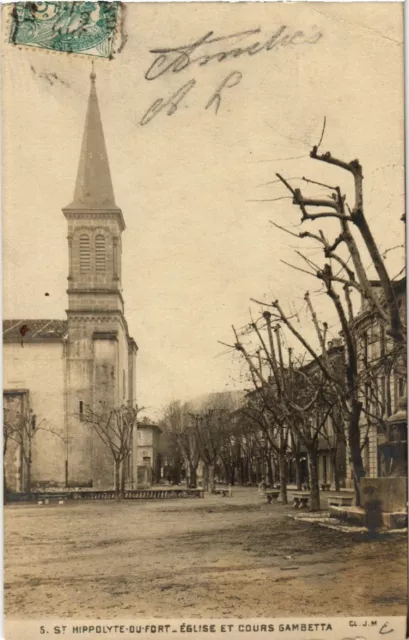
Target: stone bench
[(340, 501), (271, 495), (46, 498), (300, 499)]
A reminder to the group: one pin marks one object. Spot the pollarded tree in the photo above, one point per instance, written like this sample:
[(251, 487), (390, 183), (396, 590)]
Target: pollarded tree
[(177, 423), (22, 427), (115, 427), (211, 430), (342, 381), (335, 206), (292, 398), (269, 424)]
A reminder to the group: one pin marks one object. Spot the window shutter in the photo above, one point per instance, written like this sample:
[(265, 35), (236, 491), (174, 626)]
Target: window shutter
[(85, 254), (100, 254)]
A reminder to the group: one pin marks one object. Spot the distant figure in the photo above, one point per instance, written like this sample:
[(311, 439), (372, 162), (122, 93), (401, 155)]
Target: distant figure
[(262, 486), (373, 513)]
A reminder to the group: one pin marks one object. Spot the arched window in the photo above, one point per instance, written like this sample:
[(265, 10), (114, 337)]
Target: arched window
[(85, 254), (100, 254)]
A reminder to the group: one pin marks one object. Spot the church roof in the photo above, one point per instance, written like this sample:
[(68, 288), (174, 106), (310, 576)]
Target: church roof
[(93, 188), (33, 330)]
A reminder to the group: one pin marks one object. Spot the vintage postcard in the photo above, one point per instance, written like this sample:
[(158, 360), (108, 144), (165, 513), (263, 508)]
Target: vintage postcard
[(204, 321)]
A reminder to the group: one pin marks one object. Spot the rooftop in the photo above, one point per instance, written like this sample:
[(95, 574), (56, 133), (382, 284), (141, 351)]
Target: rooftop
[(34, 330), (93, 187)]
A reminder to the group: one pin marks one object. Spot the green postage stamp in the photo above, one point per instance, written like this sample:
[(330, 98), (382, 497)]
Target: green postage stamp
[(74, 27)]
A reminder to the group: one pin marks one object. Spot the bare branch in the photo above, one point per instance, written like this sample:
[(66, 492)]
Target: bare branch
[(322, 133)]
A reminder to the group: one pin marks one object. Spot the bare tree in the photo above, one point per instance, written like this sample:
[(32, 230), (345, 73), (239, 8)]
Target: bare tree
[(232, 445), (292, 398), (344, 381), (22, 427), (210, 429), (9, 427), (177, 422), (262, 409), (335, 206), (353, 278), (115, 427)]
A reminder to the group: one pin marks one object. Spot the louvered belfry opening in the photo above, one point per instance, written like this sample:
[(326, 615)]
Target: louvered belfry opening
[(100, 254), (85, 254), (95, 224)]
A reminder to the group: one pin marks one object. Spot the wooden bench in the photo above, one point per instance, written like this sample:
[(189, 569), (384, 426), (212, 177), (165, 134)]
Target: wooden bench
[(271, 494), (340, 501), (325, 486), (300, 499)]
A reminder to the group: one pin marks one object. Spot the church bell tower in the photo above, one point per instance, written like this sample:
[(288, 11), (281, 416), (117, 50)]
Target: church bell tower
[(95, 224), (100, 358)]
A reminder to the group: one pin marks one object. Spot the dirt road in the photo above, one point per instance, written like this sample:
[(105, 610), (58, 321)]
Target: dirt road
[(212, 557)]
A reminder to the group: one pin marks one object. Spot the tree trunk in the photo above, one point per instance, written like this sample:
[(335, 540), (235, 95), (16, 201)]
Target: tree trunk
[(360, 221), (270, 477), (4, 485), (28, 477), (212, 484), (176, 472), (205, 477), (192, 476), (28, 464), (123, 466), (337, 484), (232, 475), (282, 464), (117, 486), (258, 474), (312, 456), (227, 471), (298, 481), (354, 441), (241, 473)]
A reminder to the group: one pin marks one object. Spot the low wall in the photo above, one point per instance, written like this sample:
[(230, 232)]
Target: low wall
[(353, 515), (392, 493), (356, 516), (135, 494)]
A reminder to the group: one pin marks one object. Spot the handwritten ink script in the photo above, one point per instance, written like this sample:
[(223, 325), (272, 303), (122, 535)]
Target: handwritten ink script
[(202, 51), (210, 48), (170, 106)]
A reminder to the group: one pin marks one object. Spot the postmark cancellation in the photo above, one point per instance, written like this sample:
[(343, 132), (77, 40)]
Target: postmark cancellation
[(71, 27)]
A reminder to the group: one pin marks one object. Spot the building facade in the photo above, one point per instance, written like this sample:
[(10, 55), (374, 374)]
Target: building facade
[(382, 369), (58, 368), (147, 455)]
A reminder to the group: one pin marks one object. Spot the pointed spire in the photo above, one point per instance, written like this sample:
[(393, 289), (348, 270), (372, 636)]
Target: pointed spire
[(93, 188)]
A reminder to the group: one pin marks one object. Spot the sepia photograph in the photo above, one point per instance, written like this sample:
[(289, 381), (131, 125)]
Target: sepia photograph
[(204, 319)]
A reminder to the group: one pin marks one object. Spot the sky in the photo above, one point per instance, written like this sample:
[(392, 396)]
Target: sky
[(197, 185)]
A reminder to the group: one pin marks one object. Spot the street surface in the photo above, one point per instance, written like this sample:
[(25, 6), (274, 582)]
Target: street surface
[(212, 557)]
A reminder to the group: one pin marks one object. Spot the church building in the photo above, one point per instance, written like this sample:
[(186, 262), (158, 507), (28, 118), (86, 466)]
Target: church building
[(55, 369)]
